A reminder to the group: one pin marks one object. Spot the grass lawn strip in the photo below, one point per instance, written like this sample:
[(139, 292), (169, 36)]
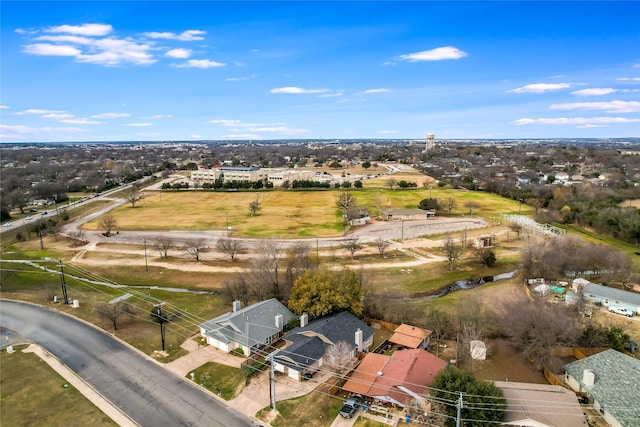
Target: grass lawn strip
[(33, 394), (225, 381)]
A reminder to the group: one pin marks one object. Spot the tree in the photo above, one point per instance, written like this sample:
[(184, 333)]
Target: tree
[(230, 247), (452, 251), (439, 322), (195, 247), (487, 257), (450, 203), (391, 182), (107, 223), (428, 204), (78, 237), (483, 402), (265, 268), (471, 206), (164, 244), (516, 228), (133, 194), (40, 228), (346, 200), (112, 312), (18, 199), (253, 207), (321, 292), (382, 245), (237, 288), (351, 244), (366, 164), (357, 184), (339, 357)]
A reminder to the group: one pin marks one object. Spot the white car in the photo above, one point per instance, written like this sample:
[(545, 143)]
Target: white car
[(6, 224), (29, 218), (620, 310)]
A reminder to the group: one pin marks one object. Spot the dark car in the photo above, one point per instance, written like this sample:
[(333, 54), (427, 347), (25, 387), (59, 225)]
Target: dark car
[(351, 406)]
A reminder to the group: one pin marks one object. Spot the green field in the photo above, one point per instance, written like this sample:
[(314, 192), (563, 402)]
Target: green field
[(283, 214)]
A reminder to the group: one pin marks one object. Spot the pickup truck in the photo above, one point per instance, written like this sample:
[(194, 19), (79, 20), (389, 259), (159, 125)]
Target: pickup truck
[(351, 406)]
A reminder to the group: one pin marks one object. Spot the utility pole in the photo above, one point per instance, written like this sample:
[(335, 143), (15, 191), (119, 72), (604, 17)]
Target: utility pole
[(317, 252), (146, 265), (273, 385), (162, 321), (64, 284), (459, 414), (402, 237)]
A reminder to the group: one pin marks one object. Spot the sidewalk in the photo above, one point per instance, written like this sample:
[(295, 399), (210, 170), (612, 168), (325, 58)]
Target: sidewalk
[(199, 356), (87, 391)]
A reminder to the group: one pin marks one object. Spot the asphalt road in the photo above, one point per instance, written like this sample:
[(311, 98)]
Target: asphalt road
[(148, 393)]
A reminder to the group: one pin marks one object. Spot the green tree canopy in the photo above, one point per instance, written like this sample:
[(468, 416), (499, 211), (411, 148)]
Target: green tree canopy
[(322, 292), (483, 402)]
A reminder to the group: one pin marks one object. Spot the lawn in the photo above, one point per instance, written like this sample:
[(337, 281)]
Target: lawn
[(285, 214), (35, 395), (225, 381), (316, 409)]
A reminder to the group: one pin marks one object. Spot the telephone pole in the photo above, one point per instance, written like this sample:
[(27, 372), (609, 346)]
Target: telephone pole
[(161, 321), (64, 284), (459, 414)]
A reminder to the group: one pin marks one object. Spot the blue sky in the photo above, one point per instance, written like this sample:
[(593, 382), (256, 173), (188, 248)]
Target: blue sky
[(120, 70)]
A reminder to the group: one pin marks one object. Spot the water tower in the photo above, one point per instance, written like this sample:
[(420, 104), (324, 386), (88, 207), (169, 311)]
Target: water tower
[(431, 142)]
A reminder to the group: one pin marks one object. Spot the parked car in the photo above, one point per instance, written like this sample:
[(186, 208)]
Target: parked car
[(29, 218), (621, 310), (351, 406), (6, 224)]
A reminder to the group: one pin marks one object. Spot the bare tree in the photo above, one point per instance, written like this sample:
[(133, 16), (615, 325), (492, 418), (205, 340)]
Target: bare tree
[(78, 237), (391, 182), (297, 261), (237, 288), (230, 247), (112, 312), (351, 244), (265, 268), (382, 245), (133, 194), (452, 251), (164, 244), (195, 247), (340, 357), (107, 223), (471, 206), (450, 203), (345, 200), (253, 207), (439, 322), (516, 228)]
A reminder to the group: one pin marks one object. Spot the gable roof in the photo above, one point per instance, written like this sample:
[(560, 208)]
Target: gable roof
[(397, 378), (310, 343), (409, 336), (540, 405), (611, 293), (616, 383), (248, 326)]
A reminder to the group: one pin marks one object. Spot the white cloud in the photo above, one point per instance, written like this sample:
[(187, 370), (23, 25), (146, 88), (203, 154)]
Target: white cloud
[(237, 79), (636, 65), (48, 49), (596, 91), (591, 126), (200, 63), (629, 79), (80, 122), (437, 54), (137, 124), (2, 107), (608, 106), (82, 30), (297, 90), (241, 136), (117, 51), (38, 111), (225, 122), (110, 115), (195, 136), (20, 129), (330, 95), (67, 39), (185, 36), (178, 53), (278, 129), (387, 132), (540, 87), (159, 116), (58, 116), (380, 90), (575, 121)]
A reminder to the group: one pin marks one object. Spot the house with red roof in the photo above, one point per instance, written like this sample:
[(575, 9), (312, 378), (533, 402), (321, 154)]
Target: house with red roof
[(398, 379)]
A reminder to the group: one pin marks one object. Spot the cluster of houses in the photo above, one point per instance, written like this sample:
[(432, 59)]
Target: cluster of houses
[(609, 381)]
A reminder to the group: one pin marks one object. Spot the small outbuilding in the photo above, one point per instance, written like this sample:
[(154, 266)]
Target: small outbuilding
[(478, 350)]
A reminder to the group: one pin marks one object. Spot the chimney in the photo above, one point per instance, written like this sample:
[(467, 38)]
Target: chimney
[(588, 378), (304, 319), (279, 321), (236, 306), (358, 339)]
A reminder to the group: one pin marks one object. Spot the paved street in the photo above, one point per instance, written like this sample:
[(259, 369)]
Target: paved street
[(147, 392)]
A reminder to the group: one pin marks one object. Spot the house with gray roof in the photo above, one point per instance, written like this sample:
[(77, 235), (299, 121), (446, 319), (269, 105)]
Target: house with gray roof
[(308, 344), (247, 328), (611, 381), (610, 297)]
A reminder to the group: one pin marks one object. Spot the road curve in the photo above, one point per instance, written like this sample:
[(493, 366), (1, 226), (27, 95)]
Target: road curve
[(148, 393)]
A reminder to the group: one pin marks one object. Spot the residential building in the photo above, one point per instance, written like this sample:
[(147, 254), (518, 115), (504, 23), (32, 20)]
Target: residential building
[(540, 405), (248, 328), (607, 296), (406, 214), (397, 379), (611, 381), (308, 344), (408, 336)]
